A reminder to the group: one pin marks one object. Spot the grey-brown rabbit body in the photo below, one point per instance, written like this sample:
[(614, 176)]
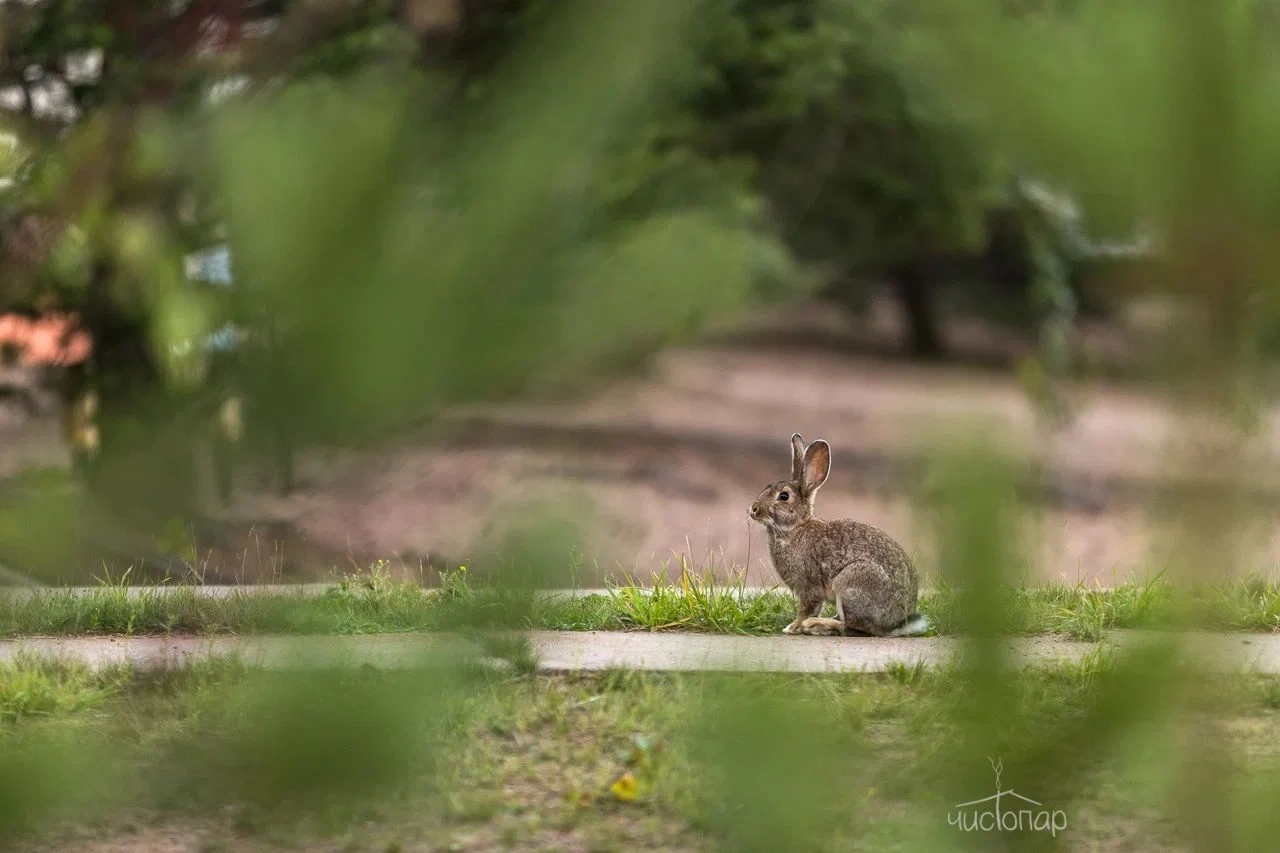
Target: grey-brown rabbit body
[(860, 568)]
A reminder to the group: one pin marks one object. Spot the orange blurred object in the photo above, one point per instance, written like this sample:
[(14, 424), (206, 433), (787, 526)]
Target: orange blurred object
[(49, 340)]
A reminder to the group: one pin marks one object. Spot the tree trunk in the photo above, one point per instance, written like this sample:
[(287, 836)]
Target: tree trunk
[(917, 293)]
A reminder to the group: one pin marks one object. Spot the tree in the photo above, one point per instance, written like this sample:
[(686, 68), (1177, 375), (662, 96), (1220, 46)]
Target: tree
[(866, 170), (872, 169)]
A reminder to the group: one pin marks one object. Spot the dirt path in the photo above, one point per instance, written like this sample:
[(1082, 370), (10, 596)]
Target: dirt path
[(561, 651), (667, 465), (663, 467)]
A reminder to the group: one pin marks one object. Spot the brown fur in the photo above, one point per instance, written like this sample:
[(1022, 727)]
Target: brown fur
[(867, 574)]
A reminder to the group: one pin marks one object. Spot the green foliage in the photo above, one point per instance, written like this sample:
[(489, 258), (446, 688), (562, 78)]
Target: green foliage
[(504, 273), (864, 164), (790, 739), (36, 688), (1148, 112), (303, 737)]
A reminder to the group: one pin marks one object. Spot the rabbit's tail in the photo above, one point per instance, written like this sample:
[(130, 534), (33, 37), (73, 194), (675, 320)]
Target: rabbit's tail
[(915, 625)]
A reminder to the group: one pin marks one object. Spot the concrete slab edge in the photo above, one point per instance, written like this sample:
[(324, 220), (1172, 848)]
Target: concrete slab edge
[(568, 651), (314, 589)]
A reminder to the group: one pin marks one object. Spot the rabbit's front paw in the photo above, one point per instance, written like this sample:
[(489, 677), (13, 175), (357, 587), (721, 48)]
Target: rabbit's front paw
[(793, 628), (816, 626)]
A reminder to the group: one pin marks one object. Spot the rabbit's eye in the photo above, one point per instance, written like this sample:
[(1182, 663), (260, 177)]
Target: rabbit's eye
[(784, 495)]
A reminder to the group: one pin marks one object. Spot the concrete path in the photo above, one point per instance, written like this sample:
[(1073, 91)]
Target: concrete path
[(560, 651), (228, 590), (312, 589), (204, 591)]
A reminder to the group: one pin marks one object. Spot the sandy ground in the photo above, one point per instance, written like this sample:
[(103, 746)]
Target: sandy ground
[(666, 465)]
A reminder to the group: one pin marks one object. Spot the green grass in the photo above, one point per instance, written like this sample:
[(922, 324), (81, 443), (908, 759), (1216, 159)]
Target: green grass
[(222, 757), (374, 603), (31, 687)]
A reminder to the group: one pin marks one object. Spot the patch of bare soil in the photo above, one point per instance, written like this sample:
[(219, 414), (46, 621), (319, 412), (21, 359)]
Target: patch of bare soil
[(666, 465), (623, 833), (194, 837), (670, 462)]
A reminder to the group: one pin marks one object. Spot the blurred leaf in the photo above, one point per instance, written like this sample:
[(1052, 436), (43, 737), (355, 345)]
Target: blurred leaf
[(308, 737), (771, 770)]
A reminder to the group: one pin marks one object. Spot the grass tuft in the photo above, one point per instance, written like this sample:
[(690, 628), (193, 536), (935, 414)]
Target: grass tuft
[(699, 603), (1250, 606), (38, 687)]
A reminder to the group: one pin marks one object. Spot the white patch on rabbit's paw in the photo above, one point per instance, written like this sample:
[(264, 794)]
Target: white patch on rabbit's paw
[(793, 628)]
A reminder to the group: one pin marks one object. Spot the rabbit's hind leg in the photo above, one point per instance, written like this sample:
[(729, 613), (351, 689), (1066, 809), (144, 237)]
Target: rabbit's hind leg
[(865, 602)]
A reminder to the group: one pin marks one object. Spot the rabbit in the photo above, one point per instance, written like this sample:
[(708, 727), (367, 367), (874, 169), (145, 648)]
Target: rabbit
[(865, 572)]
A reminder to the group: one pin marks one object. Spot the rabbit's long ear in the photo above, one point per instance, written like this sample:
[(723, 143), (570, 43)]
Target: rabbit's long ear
[(817, 465), (797, 458)]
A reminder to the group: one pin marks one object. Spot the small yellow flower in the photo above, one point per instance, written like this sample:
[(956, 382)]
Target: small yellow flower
[(625, 789)]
